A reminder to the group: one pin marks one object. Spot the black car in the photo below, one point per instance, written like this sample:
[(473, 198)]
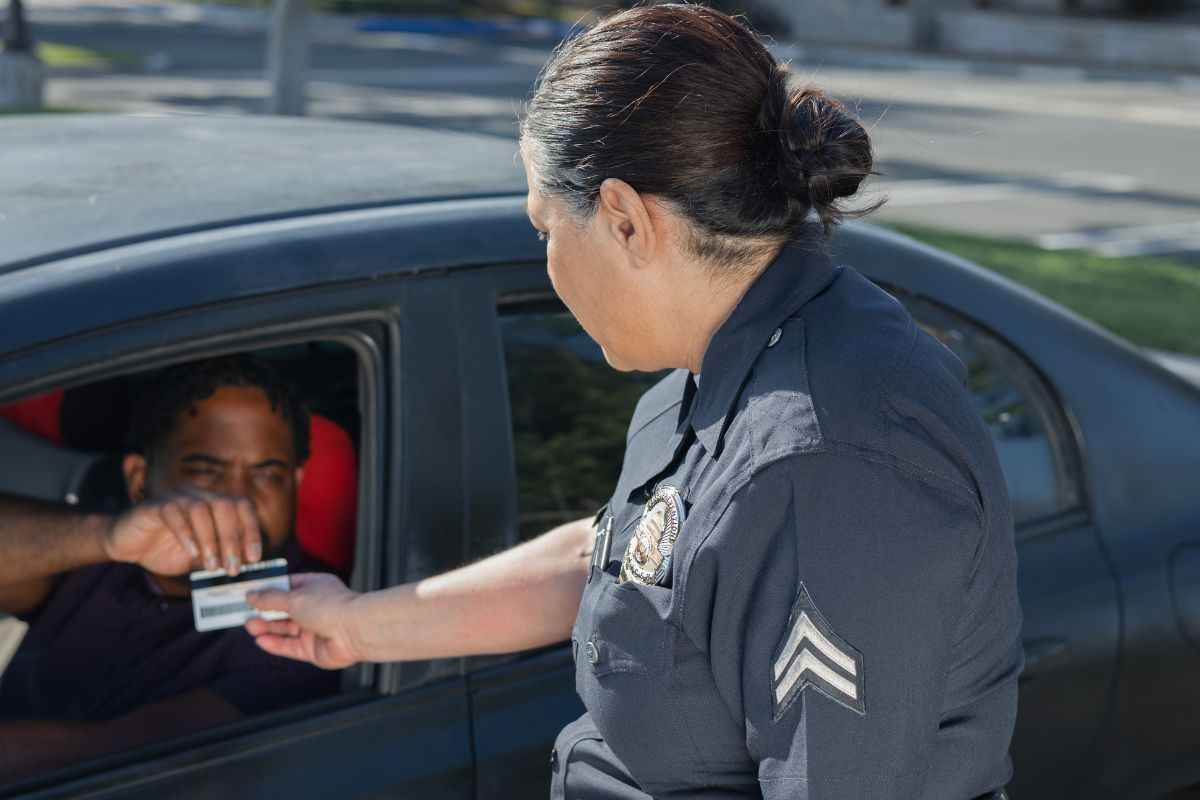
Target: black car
[(391, 272)]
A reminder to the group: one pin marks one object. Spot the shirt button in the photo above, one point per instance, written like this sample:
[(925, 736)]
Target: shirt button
[(774, 340), (592, 652), (554, 760)]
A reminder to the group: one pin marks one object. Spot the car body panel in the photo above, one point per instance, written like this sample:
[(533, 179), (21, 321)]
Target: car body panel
[(83, 182)]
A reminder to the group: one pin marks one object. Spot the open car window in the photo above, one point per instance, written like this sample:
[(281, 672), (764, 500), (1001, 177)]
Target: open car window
[(110, 659)]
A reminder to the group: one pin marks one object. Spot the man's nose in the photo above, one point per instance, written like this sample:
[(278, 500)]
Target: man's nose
[(238, 483)]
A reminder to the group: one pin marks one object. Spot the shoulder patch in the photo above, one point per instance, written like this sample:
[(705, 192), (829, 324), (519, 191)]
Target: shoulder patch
[(810, 654)]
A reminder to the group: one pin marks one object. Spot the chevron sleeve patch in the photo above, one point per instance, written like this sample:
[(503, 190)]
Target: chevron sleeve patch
[(811, 655)]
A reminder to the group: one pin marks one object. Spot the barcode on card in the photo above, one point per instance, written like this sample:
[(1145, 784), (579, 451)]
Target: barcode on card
[(228, 608)]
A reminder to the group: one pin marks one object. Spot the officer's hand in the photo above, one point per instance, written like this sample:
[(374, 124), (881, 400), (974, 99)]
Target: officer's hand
[(183, 532), (319, 629)]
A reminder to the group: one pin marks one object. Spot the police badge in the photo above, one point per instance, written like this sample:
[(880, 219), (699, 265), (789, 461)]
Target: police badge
[(648, 554)]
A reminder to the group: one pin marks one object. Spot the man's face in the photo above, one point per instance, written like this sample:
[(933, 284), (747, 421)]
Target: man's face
[(232, 444)]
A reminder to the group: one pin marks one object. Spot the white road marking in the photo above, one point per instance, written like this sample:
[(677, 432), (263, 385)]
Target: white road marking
[(1098, 181), (1137, 240), (929, 192), (932, 192)]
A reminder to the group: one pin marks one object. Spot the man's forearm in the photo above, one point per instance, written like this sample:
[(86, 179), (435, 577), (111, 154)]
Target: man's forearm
[(39, 539), (524, 597)]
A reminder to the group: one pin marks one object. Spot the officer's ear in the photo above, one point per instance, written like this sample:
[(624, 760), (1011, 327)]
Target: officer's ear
[(633, 221)]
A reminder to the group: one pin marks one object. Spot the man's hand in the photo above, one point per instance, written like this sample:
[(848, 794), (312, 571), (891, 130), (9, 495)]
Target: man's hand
[(319, 631), (174, 535)]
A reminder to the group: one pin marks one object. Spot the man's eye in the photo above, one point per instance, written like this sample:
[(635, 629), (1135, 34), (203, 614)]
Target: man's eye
[(272, 477)]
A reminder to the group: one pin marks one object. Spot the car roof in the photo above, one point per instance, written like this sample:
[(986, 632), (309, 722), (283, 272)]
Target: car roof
[(79, 182)]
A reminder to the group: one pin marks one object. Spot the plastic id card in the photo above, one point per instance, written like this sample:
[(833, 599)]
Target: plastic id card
[(219, 599)]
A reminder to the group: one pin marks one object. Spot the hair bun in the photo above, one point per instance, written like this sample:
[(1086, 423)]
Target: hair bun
[(824, 153)]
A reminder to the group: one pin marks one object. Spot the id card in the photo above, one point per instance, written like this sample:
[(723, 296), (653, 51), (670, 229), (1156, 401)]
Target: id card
[(219, 600)]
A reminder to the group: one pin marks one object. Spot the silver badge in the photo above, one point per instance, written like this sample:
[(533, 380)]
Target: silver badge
[(648, 554)]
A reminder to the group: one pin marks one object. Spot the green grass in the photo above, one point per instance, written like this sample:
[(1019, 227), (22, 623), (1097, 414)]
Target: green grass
[(1152, 302), (55, 55)]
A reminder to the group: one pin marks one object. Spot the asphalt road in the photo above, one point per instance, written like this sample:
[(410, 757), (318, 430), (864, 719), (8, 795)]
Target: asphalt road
[(1059, 157)]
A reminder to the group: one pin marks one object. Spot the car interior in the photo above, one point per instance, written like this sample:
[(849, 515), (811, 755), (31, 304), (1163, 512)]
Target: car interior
[(66, 446)]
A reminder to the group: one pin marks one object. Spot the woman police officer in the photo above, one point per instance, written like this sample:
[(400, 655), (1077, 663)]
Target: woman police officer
[(804, 583)]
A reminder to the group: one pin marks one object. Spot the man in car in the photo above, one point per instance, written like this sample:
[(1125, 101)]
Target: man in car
[(111, 658)]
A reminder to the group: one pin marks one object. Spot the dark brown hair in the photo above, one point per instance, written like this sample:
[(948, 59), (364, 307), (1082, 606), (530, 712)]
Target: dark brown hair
[(176, 390), (685, 103)]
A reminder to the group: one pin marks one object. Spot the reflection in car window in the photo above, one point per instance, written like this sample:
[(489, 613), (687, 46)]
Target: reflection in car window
[(1026, 425), (569, 441), (570, 412)]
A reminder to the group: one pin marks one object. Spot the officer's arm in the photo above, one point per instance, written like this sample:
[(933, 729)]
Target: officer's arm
[(524, 597), (840, 604)]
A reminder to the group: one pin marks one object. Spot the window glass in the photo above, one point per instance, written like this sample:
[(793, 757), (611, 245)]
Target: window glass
[(1027, 427), (570, 413), (218, 425), (569, 441)]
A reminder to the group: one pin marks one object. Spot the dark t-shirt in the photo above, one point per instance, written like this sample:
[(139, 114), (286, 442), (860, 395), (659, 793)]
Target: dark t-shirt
[(105, 643)]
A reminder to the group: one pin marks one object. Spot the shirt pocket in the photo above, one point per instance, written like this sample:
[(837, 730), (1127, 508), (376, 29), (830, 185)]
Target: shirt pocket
[(622, 675), (619, 628)]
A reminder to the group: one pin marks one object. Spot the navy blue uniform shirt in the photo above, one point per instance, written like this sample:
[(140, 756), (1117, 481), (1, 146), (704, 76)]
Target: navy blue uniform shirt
[(840, 616)]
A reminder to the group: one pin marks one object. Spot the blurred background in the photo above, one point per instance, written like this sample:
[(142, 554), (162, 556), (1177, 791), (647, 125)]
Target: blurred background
[(1051, 140)]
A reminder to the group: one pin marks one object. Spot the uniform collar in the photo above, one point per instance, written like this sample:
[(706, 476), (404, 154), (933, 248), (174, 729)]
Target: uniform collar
[(798, 274)]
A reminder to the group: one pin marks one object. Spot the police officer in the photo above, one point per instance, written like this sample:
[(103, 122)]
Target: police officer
[(804, 583)]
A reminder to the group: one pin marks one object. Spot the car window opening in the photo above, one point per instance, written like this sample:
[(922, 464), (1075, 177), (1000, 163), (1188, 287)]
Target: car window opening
[(106, 657)]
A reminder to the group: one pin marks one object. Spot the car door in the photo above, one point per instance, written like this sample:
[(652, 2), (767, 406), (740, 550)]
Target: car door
[(394, 730), (1066, 584)]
